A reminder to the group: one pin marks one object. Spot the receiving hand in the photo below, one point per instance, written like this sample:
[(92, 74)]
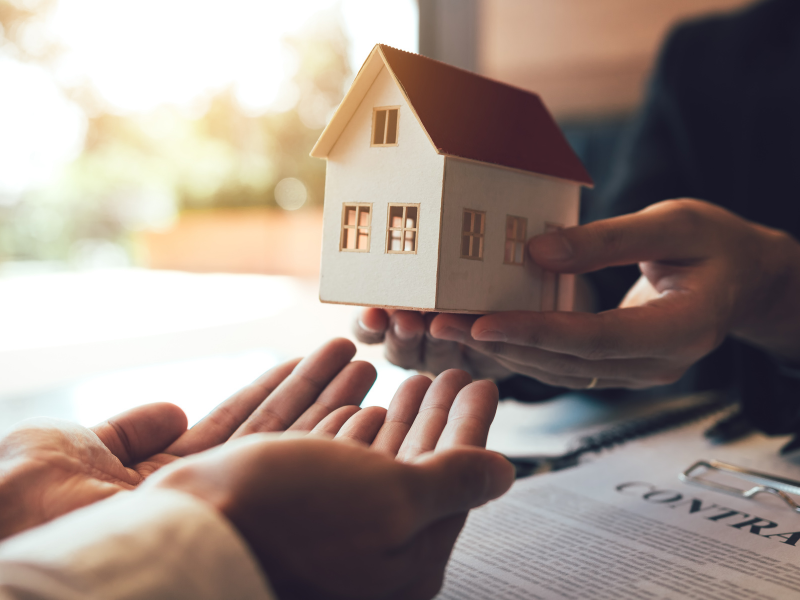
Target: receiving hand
[(423, 416), (335, 519), (50, 467), (706, 274)]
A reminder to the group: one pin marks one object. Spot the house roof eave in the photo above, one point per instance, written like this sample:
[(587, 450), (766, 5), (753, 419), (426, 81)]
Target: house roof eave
[(347, 107), (579, 182), (366, 76)]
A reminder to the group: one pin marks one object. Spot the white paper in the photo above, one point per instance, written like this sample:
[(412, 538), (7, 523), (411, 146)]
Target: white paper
[(555, 427), (624, 527)]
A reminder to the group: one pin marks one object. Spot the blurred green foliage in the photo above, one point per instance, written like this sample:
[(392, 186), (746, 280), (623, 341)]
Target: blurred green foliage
[(137, 171)]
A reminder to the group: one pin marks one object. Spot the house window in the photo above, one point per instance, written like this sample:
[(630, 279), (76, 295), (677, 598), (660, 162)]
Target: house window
[(403, 229), (384, 126), (516, 229), (472, 230), (550, 280), (356, 220)]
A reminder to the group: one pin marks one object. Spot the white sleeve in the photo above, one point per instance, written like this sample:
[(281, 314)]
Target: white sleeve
[(153, 544)]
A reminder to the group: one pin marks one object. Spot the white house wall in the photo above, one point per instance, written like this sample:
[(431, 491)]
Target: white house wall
[(410, 172), (489, 285)]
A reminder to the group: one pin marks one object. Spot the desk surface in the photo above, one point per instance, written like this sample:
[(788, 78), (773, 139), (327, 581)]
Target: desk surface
[(86, 345)]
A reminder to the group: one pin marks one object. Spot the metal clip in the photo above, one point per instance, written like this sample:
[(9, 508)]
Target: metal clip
[(765, 483)]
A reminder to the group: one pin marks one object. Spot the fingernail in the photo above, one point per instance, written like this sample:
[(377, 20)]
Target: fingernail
[(490, 335), (365, 327), (551, 246), (403, 334)]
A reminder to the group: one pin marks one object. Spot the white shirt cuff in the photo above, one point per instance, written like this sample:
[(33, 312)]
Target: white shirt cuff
[(150, 544)]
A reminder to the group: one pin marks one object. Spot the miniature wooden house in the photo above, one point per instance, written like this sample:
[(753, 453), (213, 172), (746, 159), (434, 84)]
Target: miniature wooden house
[(435, 179)]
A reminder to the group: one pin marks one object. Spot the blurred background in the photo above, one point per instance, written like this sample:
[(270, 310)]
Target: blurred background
[(175, 133), (144, 142)]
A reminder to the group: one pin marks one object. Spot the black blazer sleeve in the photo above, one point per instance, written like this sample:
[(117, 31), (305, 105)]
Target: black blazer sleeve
[(720, 122)]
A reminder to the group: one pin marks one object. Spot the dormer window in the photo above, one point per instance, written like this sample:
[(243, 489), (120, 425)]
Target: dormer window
[(384, 126)]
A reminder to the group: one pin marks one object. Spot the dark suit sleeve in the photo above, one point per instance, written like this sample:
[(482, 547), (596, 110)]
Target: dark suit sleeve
[(653, 163), (661, 158), (683, 143)]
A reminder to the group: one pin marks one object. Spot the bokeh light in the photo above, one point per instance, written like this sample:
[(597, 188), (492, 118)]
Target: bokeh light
[(290, 193)]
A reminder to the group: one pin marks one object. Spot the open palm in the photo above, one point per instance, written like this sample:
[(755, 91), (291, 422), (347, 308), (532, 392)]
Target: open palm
[(50, 467)]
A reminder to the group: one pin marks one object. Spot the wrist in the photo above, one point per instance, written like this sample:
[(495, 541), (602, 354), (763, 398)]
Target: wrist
[(17, 477), (772, 318)]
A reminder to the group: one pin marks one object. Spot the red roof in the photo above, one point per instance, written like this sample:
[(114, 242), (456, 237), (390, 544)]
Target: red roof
[(477, 118)]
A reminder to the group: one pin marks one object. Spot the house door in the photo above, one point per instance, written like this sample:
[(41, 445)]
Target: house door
[(550, 279)]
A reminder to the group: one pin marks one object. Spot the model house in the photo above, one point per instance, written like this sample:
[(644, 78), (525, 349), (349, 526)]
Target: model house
[(436, 177)]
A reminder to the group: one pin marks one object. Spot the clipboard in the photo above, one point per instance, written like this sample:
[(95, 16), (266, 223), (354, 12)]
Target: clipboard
[(620, 433), (701, 474)]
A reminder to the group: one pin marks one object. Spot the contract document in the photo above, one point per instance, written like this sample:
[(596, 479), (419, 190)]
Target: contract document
[(623, 527)]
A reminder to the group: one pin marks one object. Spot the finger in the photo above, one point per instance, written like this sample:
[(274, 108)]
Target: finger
[(371, 325), (404, 339), (350, 386), (521, 364), (141, 432), (220, 423), (438, 355), (454, 481), (483, 366), (401, 414), (663, 328), (447, 351), (626, 373), (330, 425), (454, 330), (644, 370), (432, 417), (669, 230), (363, 426), (451, 326), (298, 391), (470, 416), (575, 383)]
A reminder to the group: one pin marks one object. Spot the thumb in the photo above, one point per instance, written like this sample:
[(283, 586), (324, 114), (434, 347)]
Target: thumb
[(668, 230), (141, 432), (455, 481)]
